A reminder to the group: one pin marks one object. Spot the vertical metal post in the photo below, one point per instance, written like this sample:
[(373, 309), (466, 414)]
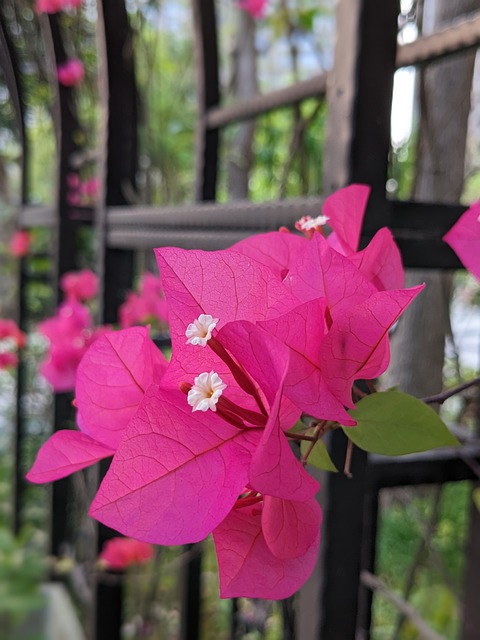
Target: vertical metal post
[(117, 169), (342, 540), (12, 78), (358, 141), (65, 260), (208, 91)]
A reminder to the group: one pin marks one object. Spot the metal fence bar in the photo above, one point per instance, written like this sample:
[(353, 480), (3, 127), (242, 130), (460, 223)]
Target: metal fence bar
[(65, 259), (12, 78), (362, 151), (118, 153), (315, 87), (432, 467), (459, 36)]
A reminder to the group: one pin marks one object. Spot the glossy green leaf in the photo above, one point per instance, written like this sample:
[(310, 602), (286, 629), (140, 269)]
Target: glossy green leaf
[(392, 423), (319, 457)]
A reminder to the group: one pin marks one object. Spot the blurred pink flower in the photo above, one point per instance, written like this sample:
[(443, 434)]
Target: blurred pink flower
[(90, 187), (120, 553), (9, 329), (74, 199), (256, 8), (70, 332), (79, 285), (73, 180), (53, 6), (71, 72), (8, 359), (148, 305), (19, 244)]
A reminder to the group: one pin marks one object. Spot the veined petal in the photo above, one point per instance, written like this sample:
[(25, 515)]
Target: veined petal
[(247, 566)]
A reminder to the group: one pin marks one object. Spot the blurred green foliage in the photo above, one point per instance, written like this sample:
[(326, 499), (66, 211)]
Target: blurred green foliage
[(403, 520), (22, 568)]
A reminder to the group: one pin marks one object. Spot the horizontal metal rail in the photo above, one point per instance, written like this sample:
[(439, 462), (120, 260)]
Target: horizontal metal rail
[(241, 214), (417, 227), (316, 86), (203, 226), (459, 36), (432, 467), (36, 216)]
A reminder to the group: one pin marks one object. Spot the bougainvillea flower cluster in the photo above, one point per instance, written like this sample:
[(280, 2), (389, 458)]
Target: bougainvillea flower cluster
[(256, 8), (54, 6), (277, 325), (19, 245), (11, 340), (121, 553), (82, 193), (79, 285), (71, 72), (70, 331), (148, 306)]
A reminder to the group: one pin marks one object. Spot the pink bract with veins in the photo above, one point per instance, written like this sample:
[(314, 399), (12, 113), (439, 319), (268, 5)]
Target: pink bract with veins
[(111, 382), (177, 474), (267, 550)]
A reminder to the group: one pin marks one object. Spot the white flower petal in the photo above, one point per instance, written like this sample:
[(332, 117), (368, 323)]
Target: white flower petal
[(207, 389), (200, 330)]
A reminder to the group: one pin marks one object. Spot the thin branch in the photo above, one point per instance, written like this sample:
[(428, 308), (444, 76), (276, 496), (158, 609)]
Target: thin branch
[(320, 430), (348, 459), (375, 584), (445, 395), (434, 555), (428, 531), (300, 436)]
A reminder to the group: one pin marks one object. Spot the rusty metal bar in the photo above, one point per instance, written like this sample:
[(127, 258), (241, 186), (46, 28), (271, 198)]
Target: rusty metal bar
[(461, 35), (458, 36), (259, 105)]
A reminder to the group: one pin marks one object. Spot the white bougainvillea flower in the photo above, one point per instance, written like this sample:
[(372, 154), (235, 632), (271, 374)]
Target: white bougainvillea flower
[(307, 223), (206, 391), (200, 330)]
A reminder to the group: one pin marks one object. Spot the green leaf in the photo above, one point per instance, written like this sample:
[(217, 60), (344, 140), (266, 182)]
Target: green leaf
[(476, 497), (319, 457), (392, 423), (298, 427)]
